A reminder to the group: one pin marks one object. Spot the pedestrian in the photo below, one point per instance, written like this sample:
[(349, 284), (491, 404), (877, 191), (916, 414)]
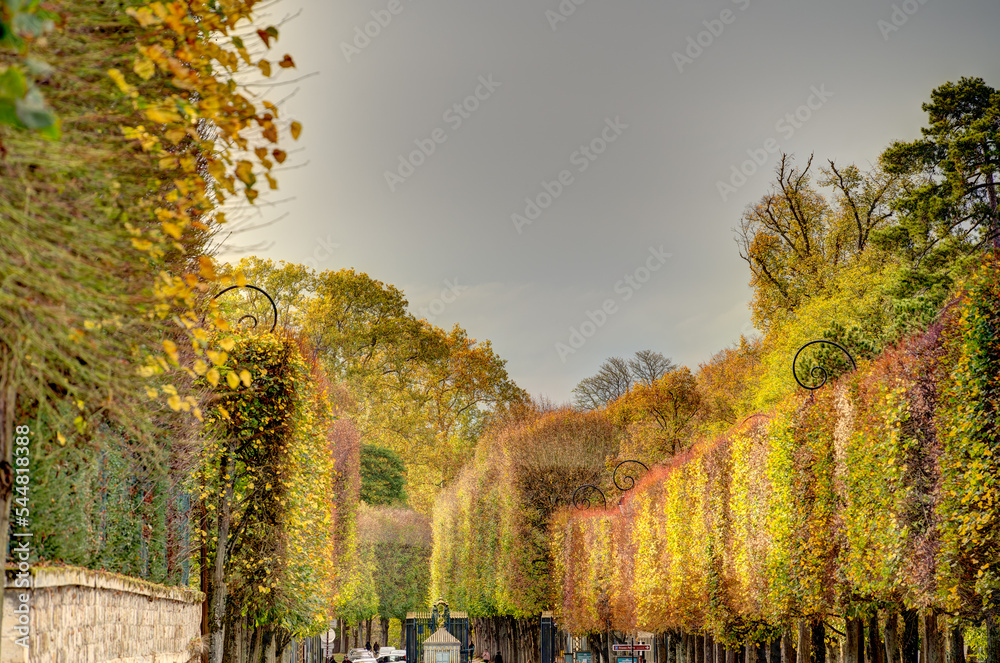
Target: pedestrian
[(368, 645), (498, 658), (486, 656)]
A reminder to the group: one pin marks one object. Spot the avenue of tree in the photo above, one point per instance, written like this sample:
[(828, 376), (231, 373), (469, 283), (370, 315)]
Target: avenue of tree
[(858, 522), (357, 462)]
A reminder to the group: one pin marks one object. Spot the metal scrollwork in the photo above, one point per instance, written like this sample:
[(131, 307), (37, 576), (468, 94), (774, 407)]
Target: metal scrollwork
[(583, 502), (249, 316), (626, 476), (818, 373)]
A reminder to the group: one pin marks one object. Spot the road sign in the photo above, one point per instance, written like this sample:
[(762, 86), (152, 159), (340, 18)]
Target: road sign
[(628, 647)]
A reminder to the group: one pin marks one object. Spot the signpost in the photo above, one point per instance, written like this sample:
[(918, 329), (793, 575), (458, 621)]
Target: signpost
[(628, 647)]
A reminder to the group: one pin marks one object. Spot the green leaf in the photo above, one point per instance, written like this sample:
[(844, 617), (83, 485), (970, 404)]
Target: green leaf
[(13, 84), (31, 25), (33, 111), (8, 115), (37, 66)]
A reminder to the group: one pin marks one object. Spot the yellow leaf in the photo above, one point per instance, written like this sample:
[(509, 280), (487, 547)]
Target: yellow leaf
[(296, 130), (265, 67), (227, 344), (200, 367), (61, 438), (279, 156), (119, 80), (232, 380), (245, 377), (175, 135), (143, 15), (172, 229), (162, 115), (171, 348), (244, 171), (206, 268), (218, 358), (144, 67), (152, 393), (213, 376), (174, 402)]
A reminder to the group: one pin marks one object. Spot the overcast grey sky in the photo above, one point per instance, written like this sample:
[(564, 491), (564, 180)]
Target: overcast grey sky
[(621, 118)]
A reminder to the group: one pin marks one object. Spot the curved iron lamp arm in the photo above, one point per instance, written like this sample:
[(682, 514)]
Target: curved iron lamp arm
[(583, 503), (818, 372), (248, 316), (626, 477)]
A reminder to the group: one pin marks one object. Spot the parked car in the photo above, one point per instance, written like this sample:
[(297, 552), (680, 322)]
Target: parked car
[(391, 655), (358, 655)]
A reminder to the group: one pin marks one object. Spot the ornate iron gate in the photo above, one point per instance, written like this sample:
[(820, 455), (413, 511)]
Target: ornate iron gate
[(421, 625)]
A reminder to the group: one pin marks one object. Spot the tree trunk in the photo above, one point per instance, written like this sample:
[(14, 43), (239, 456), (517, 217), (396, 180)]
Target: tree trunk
[(267, 637), (891, 639), (774, 650), (385, 630), (709, 649), (804, 643), (730, 655), (787, 645), (956, 645), (699, 649), (911, 636), (253, 645), (853, 649), (876, 651), (818, 641), (217, 611), (670, 640), (992, 639), (283, 638), (933, 644)]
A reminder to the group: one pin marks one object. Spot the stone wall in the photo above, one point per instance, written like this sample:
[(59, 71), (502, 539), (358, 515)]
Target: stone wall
[(79, 615)]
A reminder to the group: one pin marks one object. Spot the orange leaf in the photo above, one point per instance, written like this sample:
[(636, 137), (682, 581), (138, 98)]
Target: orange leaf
[(286, 62), (296, 130)]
